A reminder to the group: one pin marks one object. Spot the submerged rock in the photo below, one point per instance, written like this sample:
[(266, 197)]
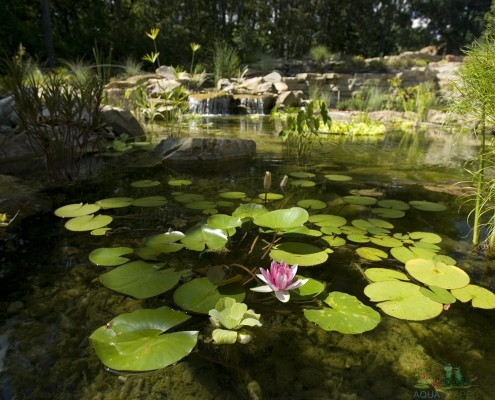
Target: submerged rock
[(204, 150)]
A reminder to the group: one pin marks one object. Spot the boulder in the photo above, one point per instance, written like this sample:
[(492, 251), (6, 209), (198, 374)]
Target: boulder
[(122, 121), (204, 150)]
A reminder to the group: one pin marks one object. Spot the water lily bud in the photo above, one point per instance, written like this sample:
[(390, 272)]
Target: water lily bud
[(268, 180), (283, 183), (243, 338)]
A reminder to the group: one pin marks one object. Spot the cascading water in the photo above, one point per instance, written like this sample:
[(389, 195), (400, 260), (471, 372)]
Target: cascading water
[(253, 105), (227, 104)]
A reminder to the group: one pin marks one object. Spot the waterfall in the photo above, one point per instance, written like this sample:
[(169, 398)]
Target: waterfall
[(253, 105), (217, 105)]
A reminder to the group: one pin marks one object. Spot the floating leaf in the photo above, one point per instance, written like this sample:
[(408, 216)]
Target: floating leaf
[(140, 279), (334, 241), (136, 341), (372, 254), (438, 294), (283, 219), (380, 223), (76, 210), (302, 254), (388, 212), (437, 273), (338, 178), (188, 197), (347, 315), (201, 205), (357, 238), (312, 204), (180, 182), (302, 174), (271, 196), (150, 201), (360, 200), (481, 297), (361, 224), (249, 210), (200, 236), (223, 221), (309, 290), (115, 202), (427, 205), (166, 242), (87, 222), (385, 274), (145, 183), (327, 220), (110, 256), (402, 300), (386, 241), (330, 230), (428, 237), (100, 231), (302, 183), (233, 195), (200, 295), (404, 254), (394, 204)]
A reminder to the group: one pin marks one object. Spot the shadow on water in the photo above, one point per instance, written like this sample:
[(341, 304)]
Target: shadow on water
[(52, 300)]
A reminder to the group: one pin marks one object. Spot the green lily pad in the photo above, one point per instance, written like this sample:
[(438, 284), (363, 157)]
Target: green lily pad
[(327, 220), (347, 315), (76, 210), (437, 273), (189, 197), (361, 224), (358, 238), (352, 230), (115, 202), (427, 205), (372, 254), (201, 205), (271, 196), (233, 195), (145, 183), (200, 295), (87, 222), (110, 256), (428, 237), (402, 300), (386, 241), (375, 230), (388, 212), (394, 204), (145, 253), (330, 230), (404, 254), (303, 254), (136, 341), (224, 221), (100, 231), (334, 241), (166, 242), (284, 219), (481, 297), (249, 210), (302, 174), (385, 274), (309, 290), (140, 279), (360, 200), (312, 204), (338, 178), (180, 182), (201, 236), (150, 201), (438, 294), (380, 223), (302, 183)]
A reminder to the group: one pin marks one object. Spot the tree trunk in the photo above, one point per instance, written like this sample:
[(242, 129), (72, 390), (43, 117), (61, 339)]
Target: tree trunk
[(47, 31)]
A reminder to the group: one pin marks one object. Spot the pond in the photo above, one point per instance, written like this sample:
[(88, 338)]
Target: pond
[(53, 300)]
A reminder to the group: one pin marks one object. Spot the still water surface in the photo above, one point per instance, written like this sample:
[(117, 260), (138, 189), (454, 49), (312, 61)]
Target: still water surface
[(54, 299)]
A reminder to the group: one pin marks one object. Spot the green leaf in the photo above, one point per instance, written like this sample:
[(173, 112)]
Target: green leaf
[(438, 294), (372, 254), (140, 279), (481, 297), (302, 174), (189, 197), (88, 222), (201, 236), (136, 342), (224, 336), (338, 178), (404, 254), (437, 273), (283, 219), (179, 182), (115, 202), (394, 204), (386, 241), (402, 300), (309, 290), (110, 256), (165, 242), (384, 274), (388, 212), (360, 200), (76, 210), (200, 295), (334, 241), (347, 315), (233, 195), (249, 210), (427, 206), (145, 183), (150, 201), (201, 205), (327, 220), (302, 254), (223, 221), (312, 204)]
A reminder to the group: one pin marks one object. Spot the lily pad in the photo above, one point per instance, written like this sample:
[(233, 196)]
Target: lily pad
[(110, 256), (302, 174), (380, 223), (312, 204), (403, 300), (334, 241), (145, 183), (386, 241), (115, 202), (385, 274), (179, 182), (305, 183), (358, 238), (438, 294), (76, 210), (388, 212), (404, 254), (249, 210), (372, 254), (189, 197), (166, 242), (224, 221), (437, 273), (427, 205), (481, 297), (303, 254), (428, 237), (283, 219), (88, 222), (327, 220), (233, 195), (360, 200), (136, 341), (347, 315), (200, 295), (140, 279), (309, 290), (271, 196), (201, 236), (201, 205), (338, 178), (394, 204), (150, 201)]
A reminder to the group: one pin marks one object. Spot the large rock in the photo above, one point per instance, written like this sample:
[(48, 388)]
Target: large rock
[(122, 121), (204, 150)]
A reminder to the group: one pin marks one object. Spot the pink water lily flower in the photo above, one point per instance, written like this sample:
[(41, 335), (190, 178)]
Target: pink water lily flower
[(279, 279)]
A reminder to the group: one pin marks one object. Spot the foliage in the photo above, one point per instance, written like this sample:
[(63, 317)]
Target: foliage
[(301, 127), (153, 56), (320, 53), (226, 61)]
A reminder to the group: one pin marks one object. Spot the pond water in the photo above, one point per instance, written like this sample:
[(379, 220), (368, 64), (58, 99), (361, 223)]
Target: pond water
[(52, 299)]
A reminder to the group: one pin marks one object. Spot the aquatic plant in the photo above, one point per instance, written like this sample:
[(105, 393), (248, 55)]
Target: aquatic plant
[(153, 57)]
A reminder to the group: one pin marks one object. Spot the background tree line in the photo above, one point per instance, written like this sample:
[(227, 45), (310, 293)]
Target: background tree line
[(67, 29)]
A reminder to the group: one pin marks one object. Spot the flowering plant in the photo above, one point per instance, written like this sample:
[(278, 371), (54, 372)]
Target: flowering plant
[(279, 279)]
